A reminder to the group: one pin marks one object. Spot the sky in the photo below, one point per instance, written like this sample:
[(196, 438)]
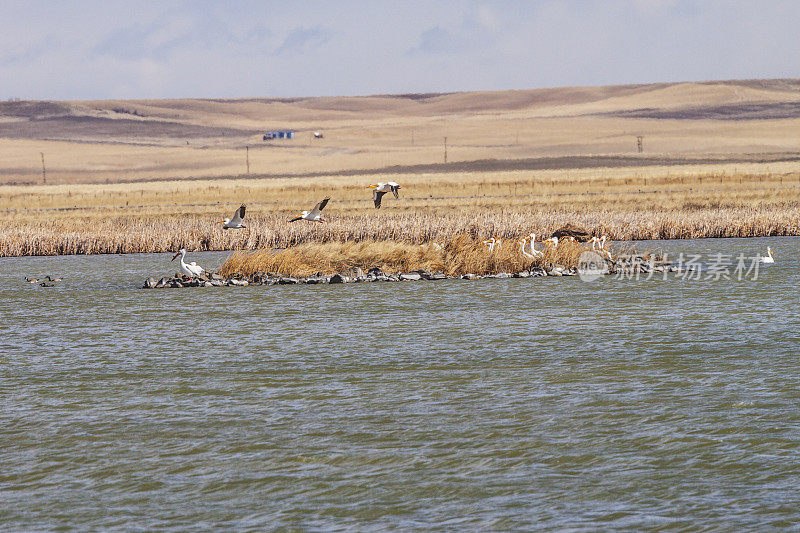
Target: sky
[(172, 49)]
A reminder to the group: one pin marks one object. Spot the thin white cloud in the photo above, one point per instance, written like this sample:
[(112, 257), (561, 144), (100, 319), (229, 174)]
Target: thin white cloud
[(304, 40)]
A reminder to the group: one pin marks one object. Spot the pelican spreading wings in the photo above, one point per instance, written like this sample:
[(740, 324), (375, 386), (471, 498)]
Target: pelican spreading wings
[(192, 269), (315, 215), (379, 189), (237, 221)]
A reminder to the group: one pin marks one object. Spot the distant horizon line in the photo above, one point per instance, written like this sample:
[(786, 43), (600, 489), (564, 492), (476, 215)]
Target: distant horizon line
[(405, 94)]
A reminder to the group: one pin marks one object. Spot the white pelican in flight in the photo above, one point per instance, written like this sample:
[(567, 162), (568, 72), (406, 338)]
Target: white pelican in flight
[(491, 243), (379, 189), (237, 221), (315, 215), (192, 269), (767, 258)]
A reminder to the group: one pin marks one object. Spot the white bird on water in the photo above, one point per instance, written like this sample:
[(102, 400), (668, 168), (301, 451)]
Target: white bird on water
[(315, 215), (767, 258), (192, 269), (237, 221), (379, 189)]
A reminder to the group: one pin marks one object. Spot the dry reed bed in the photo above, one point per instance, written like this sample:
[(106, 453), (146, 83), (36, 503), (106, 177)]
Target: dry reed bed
[(539, 186), (124, 234), (460, 255)]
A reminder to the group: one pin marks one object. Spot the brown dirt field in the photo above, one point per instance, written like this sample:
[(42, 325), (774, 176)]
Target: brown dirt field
[(104, 129), (765, 111), (137, 140)]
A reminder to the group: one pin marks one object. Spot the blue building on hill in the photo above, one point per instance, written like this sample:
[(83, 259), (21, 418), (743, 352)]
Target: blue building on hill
[(279, 134)]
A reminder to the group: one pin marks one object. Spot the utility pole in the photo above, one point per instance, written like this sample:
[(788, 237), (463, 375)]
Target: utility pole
[(445, 149), (247, 152), (44, 172), (639, 143)]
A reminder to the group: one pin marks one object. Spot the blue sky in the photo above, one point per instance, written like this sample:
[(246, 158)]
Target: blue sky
[(108, 49)]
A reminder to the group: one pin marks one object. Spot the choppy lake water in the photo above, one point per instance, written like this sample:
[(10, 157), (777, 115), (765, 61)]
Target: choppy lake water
[(489, 404)]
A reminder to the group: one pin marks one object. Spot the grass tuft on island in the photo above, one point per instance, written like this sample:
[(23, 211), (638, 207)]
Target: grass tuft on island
[(458, 256)]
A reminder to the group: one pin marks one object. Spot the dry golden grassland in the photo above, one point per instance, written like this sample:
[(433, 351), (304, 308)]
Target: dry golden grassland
[(625, 204)]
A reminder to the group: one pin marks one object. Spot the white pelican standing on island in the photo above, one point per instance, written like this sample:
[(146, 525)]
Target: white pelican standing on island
[(192, 269), (534, 253), (237, 221), (315, 215), (599, 245), (768, 259), (552, 241), (491, 243), (379, 189)]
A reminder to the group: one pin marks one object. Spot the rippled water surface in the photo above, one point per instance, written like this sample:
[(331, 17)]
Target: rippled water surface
[(489, 404)]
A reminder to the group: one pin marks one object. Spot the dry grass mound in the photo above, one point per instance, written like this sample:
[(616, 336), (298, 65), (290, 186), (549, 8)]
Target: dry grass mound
[(460, 255)]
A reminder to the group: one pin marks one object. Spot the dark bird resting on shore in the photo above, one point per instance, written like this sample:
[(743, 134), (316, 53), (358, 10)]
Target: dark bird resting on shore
[(571, 230)]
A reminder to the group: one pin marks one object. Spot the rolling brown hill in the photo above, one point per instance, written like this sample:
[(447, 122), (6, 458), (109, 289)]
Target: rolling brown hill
[(133, 140)]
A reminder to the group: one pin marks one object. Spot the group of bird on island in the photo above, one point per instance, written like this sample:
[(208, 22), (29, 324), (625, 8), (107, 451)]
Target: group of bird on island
[(527, 244), (596, 244)]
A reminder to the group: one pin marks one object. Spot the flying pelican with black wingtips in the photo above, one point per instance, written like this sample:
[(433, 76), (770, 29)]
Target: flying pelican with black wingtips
[(379, 189), (237, 221), (315, 215)]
